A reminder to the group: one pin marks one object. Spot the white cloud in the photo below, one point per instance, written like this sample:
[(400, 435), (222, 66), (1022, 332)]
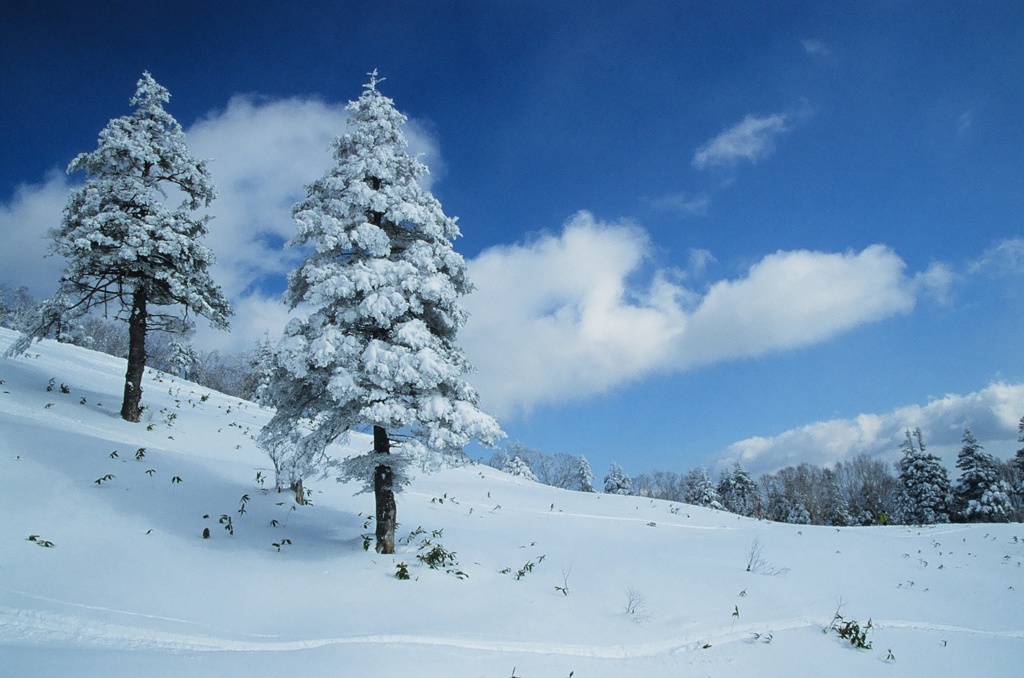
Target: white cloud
[(992, 414), (25, 223), (553, 320), (751, 139), (792, 299), (557, 319)]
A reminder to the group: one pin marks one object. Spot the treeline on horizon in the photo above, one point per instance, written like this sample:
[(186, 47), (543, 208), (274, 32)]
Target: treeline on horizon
[(862, 491), (857, 492)]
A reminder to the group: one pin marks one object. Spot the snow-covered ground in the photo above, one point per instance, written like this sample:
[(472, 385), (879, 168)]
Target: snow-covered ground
[(552, 582)]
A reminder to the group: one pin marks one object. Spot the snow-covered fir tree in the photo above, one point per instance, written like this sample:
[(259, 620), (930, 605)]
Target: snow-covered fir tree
[(797, 514), (584, 476), (1017, 466), (738, 492), (261, 370), (617, 482), (924, 488), (516, 466), (980, 495), (377, 350), (699, 490), (833, 508), (129, 248), (183, 358)]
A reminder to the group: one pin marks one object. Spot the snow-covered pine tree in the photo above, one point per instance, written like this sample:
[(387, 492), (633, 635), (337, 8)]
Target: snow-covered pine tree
[(699, 490), (980, 495), (738, 492), (833, 510), (377, 350), (183, 358), (617, 482), (516, 466), (924, 484), (584, 476), (1017, 465), (126, 246)]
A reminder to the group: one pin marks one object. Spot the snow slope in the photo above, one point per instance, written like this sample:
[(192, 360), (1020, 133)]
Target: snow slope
[(131, 588)]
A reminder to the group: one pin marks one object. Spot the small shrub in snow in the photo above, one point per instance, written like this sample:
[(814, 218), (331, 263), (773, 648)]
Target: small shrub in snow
[(850, 630), (757, 563), (636, 607)]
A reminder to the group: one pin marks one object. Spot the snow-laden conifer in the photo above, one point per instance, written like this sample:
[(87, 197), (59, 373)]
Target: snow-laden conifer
[(517, 466), (584, 476), (377, 349), (699, 490), (132, 236), (738, 492), (617, 482), (980, 495), (923, 497)]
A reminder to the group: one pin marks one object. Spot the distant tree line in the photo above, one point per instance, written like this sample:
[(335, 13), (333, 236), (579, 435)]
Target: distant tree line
[(861, 491)]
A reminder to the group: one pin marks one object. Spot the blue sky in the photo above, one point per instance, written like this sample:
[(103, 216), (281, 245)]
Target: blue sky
[(700, 231)]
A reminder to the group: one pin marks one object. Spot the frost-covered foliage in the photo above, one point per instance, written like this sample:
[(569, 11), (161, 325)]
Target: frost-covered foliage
[(924, 488), (122, 232), (132, 237), (699, 490), (15, 306), (584, 476), (382, 283), (738, 492), (617, 482), (183, 358), (980, 495), (516, 466), (261, 369)]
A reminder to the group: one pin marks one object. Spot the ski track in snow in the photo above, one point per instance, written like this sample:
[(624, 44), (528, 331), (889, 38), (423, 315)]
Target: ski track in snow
[(37, 628)]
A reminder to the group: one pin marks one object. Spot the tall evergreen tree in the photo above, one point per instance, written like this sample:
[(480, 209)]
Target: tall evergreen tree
[(924, 484), (980, 494), (699, 490), (127, 247), (739, 492), (584, 476), (377, 351)]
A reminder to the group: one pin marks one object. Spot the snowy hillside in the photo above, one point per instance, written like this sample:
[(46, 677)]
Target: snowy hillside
[(104, 570)]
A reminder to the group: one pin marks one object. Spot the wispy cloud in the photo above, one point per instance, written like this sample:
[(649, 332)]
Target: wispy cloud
[(750, 140), (682, 204), (992, 414), (1005, 258), (964, 122), (815, 47)]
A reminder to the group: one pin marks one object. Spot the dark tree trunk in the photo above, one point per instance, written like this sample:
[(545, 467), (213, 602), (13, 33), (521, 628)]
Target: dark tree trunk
[(131, 406), (300, 492), (383, 492)]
